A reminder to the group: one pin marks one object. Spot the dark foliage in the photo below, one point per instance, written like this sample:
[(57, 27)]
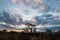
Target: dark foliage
[(28, 36)]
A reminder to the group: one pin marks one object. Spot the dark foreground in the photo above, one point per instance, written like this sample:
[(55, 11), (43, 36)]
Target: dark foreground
[(28, 36)]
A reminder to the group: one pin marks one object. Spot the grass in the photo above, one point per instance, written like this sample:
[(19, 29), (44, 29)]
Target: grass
[(28, 36)]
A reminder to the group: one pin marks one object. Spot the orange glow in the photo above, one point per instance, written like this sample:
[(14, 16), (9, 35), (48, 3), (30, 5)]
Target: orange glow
[(15, 30), (15, 1), (18, 30), (38, 1)]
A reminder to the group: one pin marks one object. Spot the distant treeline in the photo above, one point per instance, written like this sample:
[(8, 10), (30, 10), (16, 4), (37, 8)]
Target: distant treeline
[(12, 35)]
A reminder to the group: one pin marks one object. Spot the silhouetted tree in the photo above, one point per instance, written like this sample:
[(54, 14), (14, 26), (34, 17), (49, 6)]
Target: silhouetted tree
[(30, 26), (48, 31), (4, 30)]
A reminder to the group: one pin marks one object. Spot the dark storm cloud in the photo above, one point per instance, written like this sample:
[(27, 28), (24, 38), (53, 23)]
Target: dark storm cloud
[(55, 22), (9, 18), (47, 19), (2, 26)]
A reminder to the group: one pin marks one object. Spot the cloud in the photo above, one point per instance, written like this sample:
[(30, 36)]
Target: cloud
[(15, 1), (9, 18), (53, 4), (37, 11), (15, 17), (2, 26), (53, 28), (41, 5), (56, 22), (47, 19)]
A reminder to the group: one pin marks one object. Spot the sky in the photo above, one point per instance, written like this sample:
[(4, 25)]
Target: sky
[(42, 13)]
